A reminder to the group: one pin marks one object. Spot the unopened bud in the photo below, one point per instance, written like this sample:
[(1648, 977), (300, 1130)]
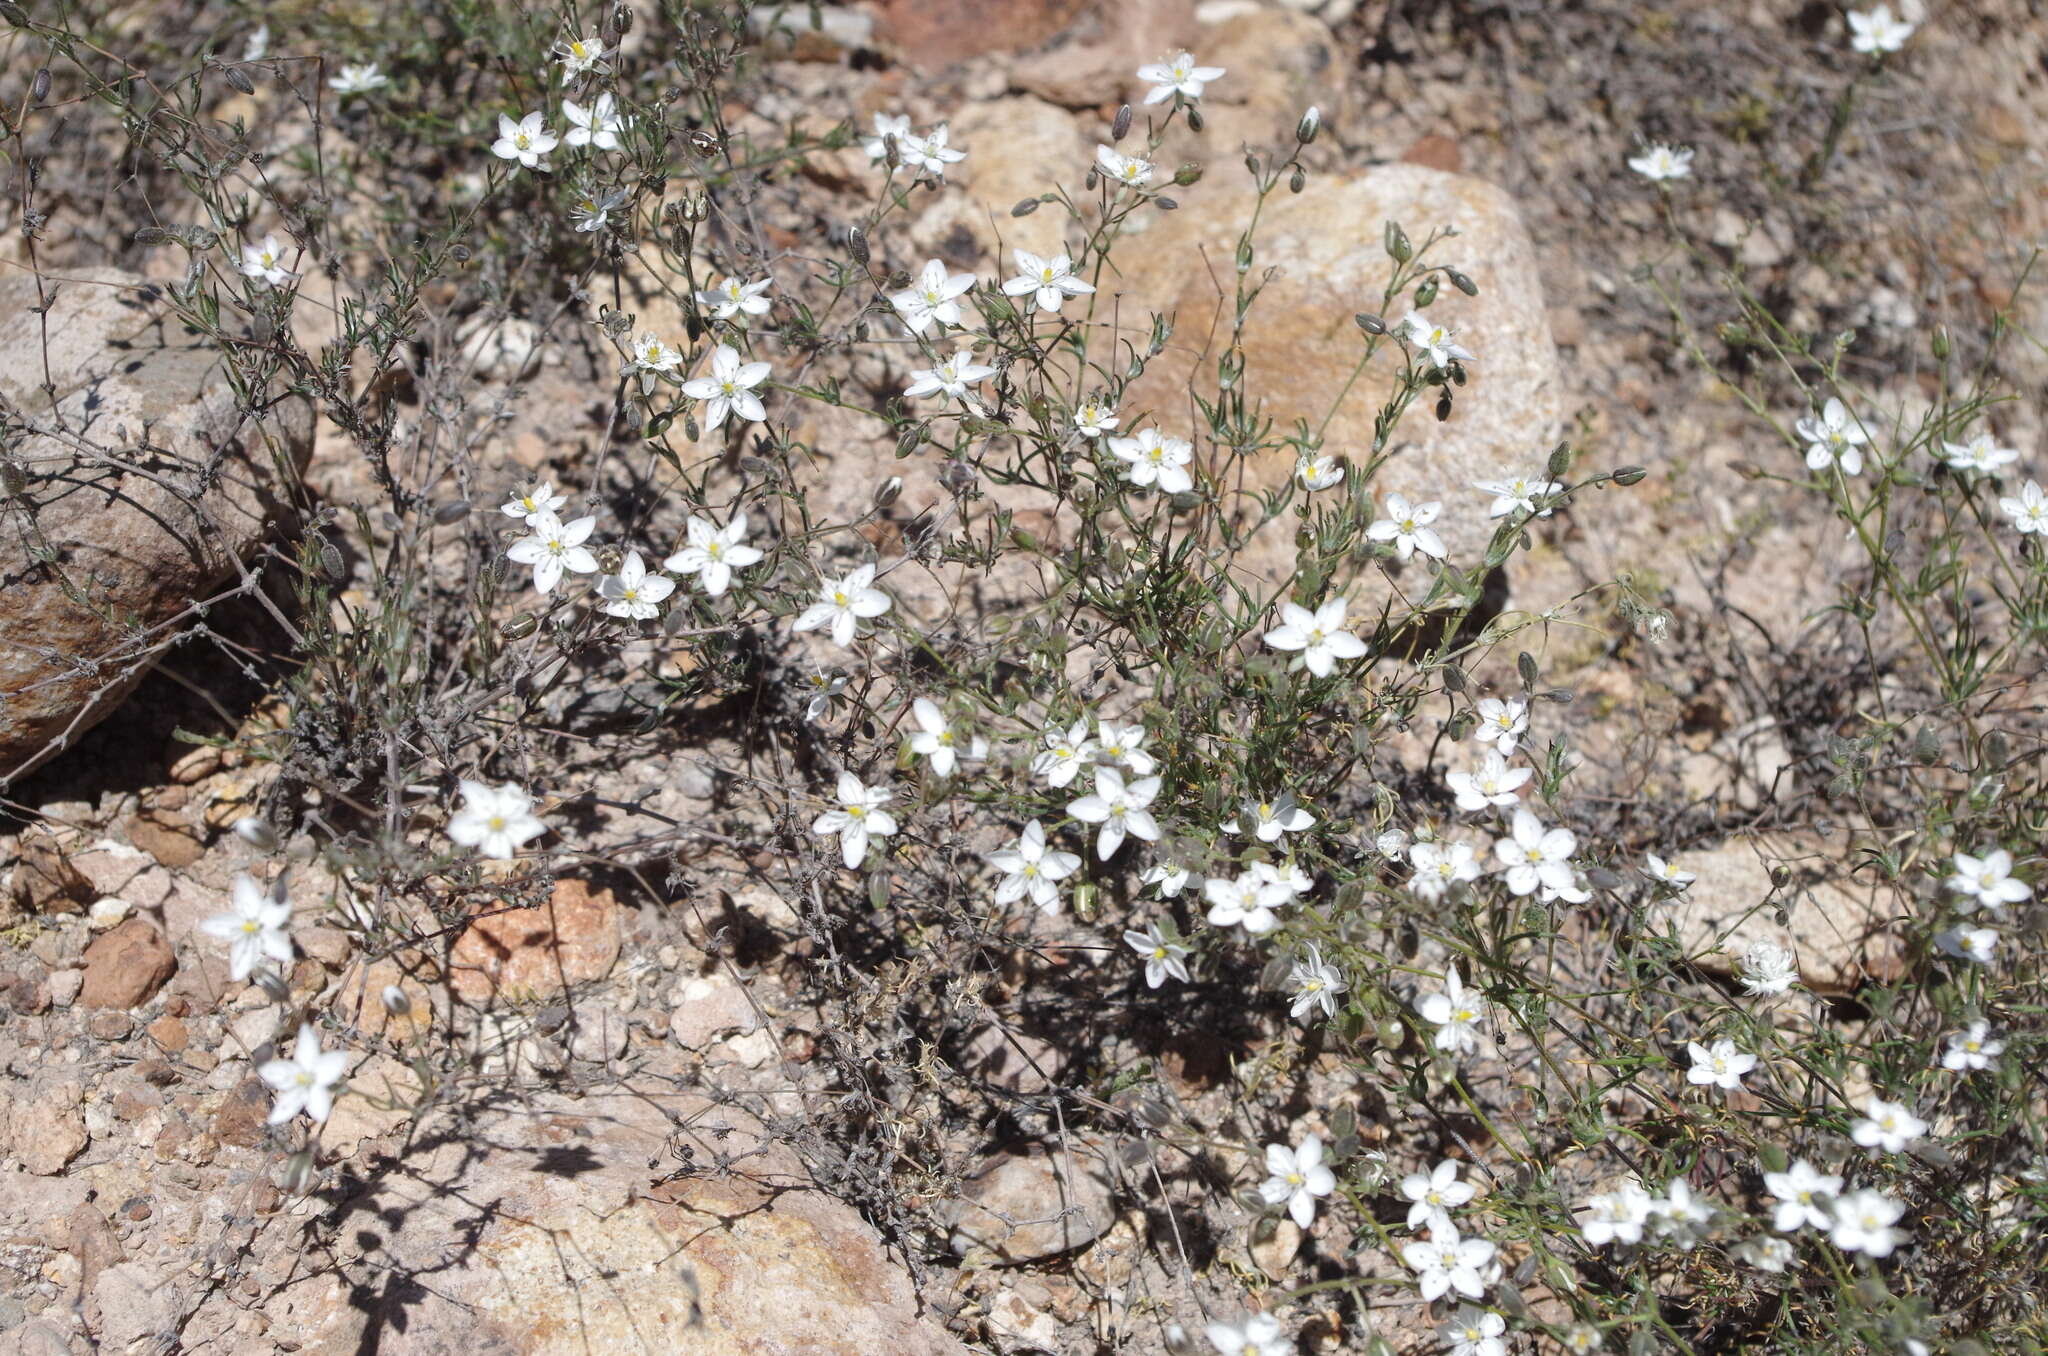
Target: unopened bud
[(1187, 175), (1461, 282), (1630, 475), (395, 1001), (519, 627), (1940, 339), (1370, 323), (1311, 123), (452, 512), (1025, 208), (1120, 126), (886, 492), (1398, 248), (39, 88), (857, 245), (1194, 119), (256, 832), (1560, 461), (1298, 180), (234, 75), (1425, 293)]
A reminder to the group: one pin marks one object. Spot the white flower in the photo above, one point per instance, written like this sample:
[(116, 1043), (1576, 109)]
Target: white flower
[(1720, 1065), (951, 378), (1661, 162), (1986, 882), (1443, 1262), (1048, 282), (1431, 341), (858, 818), (1316, 984), (1768, 968), (933, 297), (597, 126), (1120, 744), (526, 141), (936, 739), (1150, 458), (1455, 1013), (1666, 873), (1616, 1216), (1030, 867), (1432, 1196), (1066, 753), (263, 263), (1862, 1223), (306, 1081), (577, 55), (258, 45), (1767, 1252), (553, 547), (1162, 958), (1439, 866), (1680, 1214), (1475, 1332), (1802, 1194), (1247, 902), (1321, 472), (1491, 783), (1833, 439), (1171, 878), (1518, 494), (1094, 418), (254, 927), (589, 212), (1501, 722), (1968, 1051), (1297, 1177), (1266, 820), (1258, 1335), (1873, 33), (1178, 76), (353, 79), (1127, 170), (1119, 809), (1532, 855), (1981, 454), (929, 154), (652, 355), (729, 388), (735, 297), (713, 552), (1889, 1126), (843, 604), (1287, 873), (2029, 511), (1319, 636), (633, 593), (494, 820), (1976, 945), (1407, 526), (889, 128), (826, 688), (536, 499)]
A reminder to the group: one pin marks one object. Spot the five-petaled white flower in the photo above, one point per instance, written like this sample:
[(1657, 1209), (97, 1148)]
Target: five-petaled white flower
[(1981, 454), (1501, 723), (1863, 1223), (1889, 1126), (633, 593), (1066, 752), (1031, 868), (1433, 1195), (1257, 1335), (1407, 526), (1149, 459), (1532, 855), (1768, 968), (538, 498), (1972, 1049), (933, 297), (1443, 1262), (1875, 32), (306, 1081), (494, 820), (528, 141), (358, 80), (1162, 957), (254, 927), (1316, 984), (1121, 745), (1127, 170), (1320, 472), (936, 739), (2028, 510), (1247, 902), (1987, 882), (890, 129), (264, 263), (1491, 783), (1171, 878), (1519, 494), (1667, 873), (951, 378), (1977, 945), (1179, 76), (553, 547), (1431, 340), (1095, 418), (929, 153), (1720, 1065), (1454, 1012), (1661, 162), (597, 126), (578, 54), (1615, 1216), (1266, 820), (1318, 636), (736, 297), (1680, 1214), (1439, 866), (714, 552), (729, 388), (1297, 1178), (651, 354), (826, 688), (1803, 1194), (1119, 809), (1833, 438), (858, 818), (1048, 282), (843, 604), (1475, 1332)]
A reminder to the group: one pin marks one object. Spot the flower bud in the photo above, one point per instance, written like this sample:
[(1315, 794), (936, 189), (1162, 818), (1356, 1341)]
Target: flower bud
[(1194, 119), (1630, 475), (1120, 127), (395, 1001), (519, 627), (1370, 323), (256, 831), (1298, 180), (1425, 293), (1398, 248), (1187, 175), (1311, 123), (1560, 461), (1940, 342), (452, 512), (39, 88), (1025, 208), (857, 245), (234, 74), (887, 491)]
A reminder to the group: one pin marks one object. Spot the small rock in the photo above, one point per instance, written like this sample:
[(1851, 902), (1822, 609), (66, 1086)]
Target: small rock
[(111, 1026), (598, 1035), (125, 967), (707, 1008), (1274, 1243), (1022, 1327), (527, 955), (107, 912), (754, 1050), (49, 1130), (45, 880), (243, 1115), (167, 836), (170, 1034), (1037, 1202)]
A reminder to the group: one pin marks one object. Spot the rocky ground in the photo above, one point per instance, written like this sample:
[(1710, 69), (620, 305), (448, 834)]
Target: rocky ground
[(642, 1146)]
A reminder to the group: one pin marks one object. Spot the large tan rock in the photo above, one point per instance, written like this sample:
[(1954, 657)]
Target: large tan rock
[(1018, 148), (138, 487), (524, 955)]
